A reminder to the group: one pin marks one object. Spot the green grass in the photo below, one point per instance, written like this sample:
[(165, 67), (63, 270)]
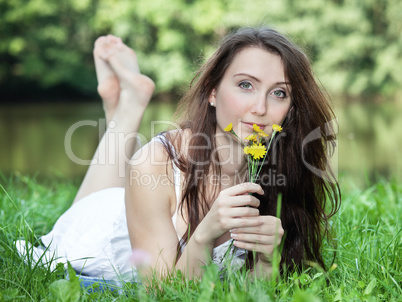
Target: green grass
[(368, 261)]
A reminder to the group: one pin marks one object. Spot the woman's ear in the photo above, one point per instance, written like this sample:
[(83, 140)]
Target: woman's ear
[(212, 98)]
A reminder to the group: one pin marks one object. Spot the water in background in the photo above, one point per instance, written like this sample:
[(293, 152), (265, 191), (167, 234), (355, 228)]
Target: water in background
[(33, 138), (47, 139)]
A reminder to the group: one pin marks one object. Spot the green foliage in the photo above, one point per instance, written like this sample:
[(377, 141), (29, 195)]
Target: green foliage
[(46, 43), (209, 283), (63, 290), (368, 262), (355, 46)]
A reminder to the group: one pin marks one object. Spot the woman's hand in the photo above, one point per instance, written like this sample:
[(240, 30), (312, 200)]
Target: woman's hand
[(234, 208), (262, 238)]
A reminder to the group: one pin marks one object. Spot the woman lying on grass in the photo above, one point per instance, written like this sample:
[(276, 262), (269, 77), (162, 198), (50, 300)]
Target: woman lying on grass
[(202, 200)]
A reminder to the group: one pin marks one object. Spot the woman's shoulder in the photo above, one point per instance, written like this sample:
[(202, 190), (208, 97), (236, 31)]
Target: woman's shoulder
[(177, 141), (155, 152), (161, 151), (151, 155)]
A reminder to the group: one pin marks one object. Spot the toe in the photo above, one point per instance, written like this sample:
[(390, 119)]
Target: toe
[(114, 39), (99, 43)]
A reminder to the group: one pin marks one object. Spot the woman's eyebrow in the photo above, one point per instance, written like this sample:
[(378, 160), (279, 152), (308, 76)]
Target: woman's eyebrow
[(248, 75)]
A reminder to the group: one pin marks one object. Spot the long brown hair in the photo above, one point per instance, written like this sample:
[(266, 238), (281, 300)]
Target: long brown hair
[(309, 198)]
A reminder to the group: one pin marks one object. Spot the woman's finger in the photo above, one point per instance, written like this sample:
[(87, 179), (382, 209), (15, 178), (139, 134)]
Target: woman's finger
[(238, 212), (235, 223), (257, 238), (244, 188), (244, 200), (269, 227), (265, 249), (237, 201)]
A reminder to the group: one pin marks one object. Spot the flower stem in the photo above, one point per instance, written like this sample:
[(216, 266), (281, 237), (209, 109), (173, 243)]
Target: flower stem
[(269, 145)]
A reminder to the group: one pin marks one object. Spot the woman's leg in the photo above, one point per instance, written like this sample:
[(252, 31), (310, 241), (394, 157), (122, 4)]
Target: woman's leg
[(125, 93)]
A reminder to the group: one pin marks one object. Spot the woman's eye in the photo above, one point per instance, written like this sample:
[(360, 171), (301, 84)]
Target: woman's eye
[(279, 93), (245, 85)]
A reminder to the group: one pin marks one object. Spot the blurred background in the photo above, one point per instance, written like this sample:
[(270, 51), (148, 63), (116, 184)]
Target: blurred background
[(48, 83)]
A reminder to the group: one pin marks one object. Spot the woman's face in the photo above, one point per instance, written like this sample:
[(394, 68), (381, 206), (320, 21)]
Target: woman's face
[(253, 90)]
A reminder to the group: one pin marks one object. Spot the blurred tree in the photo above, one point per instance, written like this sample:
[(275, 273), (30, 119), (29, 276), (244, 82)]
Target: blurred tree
[(47, 43), (355, 46)]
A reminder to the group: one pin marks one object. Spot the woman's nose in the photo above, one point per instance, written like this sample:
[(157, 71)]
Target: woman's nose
[(259, 106)]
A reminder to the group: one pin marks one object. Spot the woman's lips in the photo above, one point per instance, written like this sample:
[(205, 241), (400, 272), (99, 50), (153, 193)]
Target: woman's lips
[(250, 125)]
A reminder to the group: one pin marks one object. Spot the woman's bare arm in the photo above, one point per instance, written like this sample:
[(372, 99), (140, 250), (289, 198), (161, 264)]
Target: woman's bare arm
[(150, 203)]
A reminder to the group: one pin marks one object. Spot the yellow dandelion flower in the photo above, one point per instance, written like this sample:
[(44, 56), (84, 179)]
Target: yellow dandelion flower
[(246, 150), (257, 151), (276, 128), (256, 128), (262, 134), (251, 138), (229, 128)]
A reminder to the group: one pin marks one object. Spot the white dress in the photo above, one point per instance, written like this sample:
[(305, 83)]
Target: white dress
[(93, 236)]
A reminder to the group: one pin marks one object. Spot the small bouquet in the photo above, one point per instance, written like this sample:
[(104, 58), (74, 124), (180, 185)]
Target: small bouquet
[(255, 148)]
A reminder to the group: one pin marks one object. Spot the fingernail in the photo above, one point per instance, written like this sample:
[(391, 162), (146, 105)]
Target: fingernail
[(233, 235), (233, 230)]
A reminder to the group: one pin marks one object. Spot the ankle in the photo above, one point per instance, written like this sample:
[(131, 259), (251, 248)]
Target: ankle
[(127, 118)]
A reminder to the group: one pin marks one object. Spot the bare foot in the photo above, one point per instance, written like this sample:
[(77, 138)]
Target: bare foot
[(135, 89), (133, 84), (108, 83)]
